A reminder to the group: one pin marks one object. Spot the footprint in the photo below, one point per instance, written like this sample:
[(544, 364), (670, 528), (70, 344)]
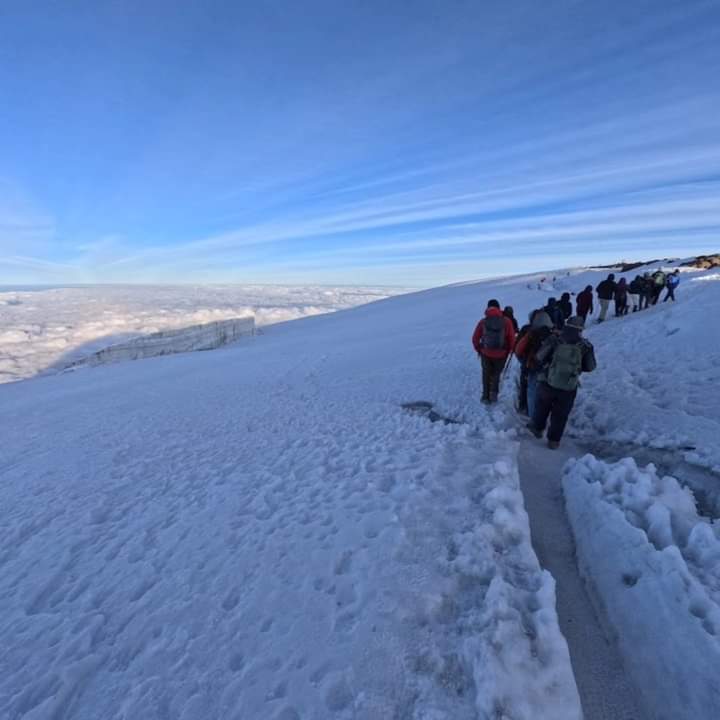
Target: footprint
[(232, 600)]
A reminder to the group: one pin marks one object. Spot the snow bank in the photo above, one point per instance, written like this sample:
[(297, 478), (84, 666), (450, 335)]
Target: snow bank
[(198, 337), (654, 566)]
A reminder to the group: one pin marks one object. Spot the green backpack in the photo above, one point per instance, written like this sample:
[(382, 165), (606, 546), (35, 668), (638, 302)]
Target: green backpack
[(566, 366)]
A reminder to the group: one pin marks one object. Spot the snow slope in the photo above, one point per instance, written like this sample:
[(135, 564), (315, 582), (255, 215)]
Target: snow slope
[(657, 377), (49, 329), (262, 532)]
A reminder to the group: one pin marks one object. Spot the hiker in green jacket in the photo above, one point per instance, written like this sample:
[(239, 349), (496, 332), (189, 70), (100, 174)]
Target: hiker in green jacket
[(561, 359)]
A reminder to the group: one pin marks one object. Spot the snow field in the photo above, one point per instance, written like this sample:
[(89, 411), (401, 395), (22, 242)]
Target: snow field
[(262, 532), (46, 330), (654, 566), (657, 377)]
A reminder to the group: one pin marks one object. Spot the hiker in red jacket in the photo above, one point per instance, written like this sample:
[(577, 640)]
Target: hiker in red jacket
[(493, 341), (584, 302)]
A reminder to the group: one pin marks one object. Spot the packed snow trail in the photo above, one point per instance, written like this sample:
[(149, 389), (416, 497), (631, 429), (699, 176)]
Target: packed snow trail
[(597, 663)]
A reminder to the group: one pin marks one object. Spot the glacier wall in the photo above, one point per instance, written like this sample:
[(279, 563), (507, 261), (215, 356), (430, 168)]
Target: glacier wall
[(207, 336)]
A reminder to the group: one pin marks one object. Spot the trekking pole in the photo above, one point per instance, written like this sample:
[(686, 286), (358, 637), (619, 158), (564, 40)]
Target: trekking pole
[(507, 366)]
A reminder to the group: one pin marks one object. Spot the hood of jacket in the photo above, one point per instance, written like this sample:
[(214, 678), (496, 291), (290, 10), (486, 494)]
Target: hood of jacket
[(493, 312)]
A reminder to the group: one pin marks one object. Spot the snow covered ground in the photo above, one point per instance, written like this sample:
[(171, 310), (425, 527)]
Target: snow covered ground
[(655, 567), (43, 330), (263, 532)]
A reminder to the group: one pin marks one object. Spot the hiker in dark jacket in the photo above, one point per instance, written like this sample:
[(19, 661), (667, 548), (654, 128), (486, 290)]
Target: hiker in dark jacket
[(634, 292), (645, 291), (493, 340), (658, 283), (561, 359), (585, 302), (555, 313), (565, 305), (508, 312), (525, 350), (621, 303), (672, 281), (606, 292), (522, 404)]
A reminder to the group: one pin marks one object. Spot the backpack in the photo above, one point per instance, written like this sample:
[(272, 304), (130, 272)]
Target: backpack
[(565, 366), (659, 279), (493, 337)]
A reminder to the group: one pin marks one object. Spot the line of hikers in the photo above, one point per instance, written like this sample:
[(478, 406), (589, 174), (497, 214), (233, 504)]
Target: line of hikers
[(551, 349), (640, 293), (552, 357)]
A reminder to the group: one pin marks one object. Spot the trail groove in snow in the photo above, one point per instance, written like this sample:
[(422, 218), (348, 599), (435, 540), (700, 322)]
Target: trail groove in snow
[(604, 689)]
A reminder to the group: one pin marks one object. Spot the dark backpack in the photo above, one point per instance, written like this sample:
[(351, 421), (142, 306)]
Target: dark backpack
[(565, 366), (493, 337)]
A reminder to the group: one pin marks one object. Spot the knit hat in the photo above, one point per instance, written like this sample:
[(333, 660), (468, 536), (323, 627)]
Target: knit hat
[(541, 319), (575, 322)]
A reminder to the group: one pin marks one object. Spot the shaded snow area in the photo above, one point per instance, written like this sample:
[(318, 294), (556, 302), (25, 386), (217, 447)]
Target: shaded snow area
[(655, 568), (47, 330), (263, 532)]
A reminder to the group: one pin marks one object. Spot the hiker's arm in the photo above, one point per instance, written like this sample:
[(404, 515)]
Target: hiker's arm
[(477, 336), (546, 350), (588, 360)]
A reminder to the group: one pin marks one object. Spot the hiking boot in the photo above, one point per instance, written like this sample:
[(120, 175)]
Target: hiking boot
[(485, 401), (537, 433), (553, 444)]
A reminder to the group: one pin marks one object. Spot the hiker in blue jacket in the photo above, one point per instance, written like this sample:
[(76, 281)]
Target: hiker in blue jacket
[(671, 282)]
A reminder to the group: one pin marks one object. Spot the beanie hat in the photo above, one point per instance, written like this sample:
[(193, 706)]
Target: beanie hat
[(541, 319), (493, 303)]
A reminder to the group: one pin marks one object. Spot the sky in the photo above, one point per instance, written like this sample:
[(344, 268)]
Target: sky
[(400, 142)]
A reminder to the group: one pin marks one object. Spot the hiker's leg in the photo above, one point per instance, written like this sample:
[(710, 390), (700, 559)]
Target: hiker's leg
[(485, 377), (523, 390), (562, 404), (531, 393), (498, 365), (543, 404), (604, 305)]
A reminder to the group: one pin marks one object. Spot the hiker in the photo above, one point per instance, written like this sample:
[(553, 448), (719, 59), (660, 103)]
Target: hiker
[(635, 292), (672, 281), (606, 292), (645, 291), (508, 312), (561, 359), (565, 305), (658, 283), (540, 329), (493, 340), (621, 303), (554, 311), (584, 302)]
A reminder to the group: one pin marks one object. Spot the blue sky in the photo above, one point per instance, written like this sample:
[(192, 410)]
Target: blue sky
[(375, 142)]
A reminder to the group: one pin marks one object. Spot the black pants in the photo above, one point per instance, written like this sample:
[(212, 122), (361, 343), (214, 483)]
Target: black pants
[(491, 371), (522, 403), (656, 295), (670, 294), (555, 404)]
